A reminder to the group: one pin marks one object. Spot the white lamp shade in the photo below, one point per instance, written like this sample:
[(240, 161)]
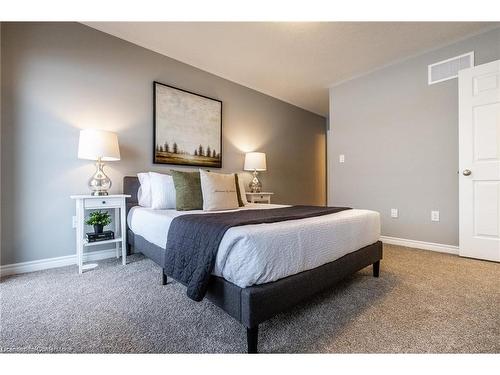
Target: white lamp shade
[(255, 161), (94, 144)]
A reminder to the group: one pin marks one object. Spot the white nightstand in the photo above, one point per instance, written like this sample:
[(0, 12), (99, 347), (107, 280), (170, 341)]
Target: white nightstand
[(264, 197), (105, 202)]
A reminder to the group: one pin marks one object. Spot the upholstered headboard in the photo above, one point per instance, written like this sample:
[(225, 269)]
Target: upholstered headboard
[(131, 186)]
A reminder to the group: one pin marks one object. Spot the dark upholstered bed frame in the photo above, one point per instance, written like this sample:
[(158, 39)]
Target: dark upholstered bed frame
[(256, 304)]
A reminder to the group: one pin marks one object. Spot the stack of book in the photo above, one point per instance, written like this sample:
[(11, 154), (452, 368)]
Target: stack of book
[(104, 236)]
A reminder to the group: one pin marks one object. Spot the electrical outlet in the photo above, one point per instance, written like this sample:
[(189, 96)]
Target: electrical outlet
[(434, 215), (394, 213), (74, 222), (341, 158)]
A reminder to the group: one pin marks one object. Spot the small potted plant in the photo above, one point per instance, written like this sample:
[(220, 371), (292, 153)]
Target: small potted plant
[(99, 219)]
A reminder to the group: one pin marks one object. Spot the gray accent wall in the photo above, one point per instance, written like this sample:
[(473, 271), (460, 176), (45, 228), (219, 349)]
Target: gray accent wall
[(0, 138), (57, 78), (400, 141)]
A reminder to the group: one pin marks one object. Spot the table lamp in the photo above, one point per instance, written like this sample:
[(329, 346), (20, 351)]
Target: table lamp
[(101, 146), (255, 161)]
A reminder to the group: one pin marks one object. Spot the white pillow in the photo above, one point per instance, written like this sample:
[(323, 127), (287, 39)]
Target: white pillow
[(241, 184), (144, 192), (218, 190), (162, 191)]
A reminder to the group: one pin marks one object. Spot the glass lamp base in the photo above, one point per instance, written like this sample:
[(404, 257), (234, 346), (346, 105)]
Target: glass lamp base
[(99, 193), (99, 183), (255, 184)]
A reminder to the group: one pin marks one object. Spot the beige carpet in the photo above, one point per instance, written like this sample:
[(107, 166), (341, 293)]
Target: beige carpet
[(422, 302)]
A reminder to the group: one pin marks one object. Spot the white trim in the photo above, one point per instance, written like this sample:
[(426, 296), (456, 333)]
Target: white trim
[(43, 264), (442, 248), (68, 260)]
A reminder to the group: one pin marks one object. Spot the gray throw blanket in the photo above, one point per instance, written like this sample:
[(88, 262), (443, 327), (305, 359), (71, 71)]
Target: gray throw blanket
[(193, 240)]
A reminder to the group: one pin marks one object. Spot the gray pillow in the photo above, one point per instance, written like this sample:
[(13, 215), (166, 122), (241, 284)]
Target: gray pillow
[(238, 190)]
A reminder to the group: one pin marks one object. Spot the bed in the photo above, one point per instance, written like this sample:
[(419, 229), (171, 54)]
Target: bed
[(264, 269)]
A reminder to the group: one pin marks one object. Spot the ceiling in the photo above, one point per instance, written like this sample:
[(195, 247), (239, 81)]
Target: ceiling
[(293, 61)]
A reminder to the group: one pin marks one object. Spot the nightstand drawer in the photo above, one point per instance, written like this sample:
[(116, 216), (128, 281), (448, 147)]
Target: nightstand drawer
[(102, 202)]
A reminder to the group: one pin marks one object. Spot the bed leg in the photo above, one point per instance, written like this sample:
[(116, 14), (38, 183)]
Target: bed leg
[(252, 339), (376, 268), (164, 277)]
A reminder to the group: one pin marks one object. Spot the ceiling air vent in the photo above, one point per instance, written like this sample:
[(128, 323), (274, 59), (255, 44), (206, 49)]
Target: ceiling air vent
[(448, 69)]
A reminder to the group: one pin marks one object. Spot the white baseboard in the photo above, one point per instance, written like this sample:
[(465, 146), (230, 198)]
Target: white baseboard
[(43, 264), (449, 249), (68, 260)]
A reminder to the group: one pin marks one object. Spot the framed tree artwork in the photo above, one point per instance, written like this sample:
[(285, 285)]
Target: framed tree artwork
[(187, 128)]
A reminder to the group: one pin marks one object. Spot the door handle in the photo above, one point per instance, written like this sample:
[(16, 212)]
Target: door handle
[(467, 172)]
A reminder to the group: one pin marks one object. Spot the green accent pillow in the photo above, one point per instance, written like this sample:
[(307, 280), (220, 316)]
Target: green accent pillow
[(187, 191)]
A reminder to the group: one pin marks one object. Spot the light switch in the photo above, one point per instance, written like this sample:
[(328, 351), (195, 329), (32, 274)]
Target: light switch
[(394, 213), (434, 215), (341, 158)]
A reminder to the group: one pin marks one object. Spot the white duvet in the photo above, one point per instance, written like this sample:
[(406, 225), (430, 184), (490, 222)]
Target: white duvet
[(257, 254)]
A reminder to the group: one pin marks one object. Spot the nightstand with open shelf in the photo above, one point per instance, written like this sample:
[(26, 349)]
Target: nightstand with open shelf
[(114, 202)]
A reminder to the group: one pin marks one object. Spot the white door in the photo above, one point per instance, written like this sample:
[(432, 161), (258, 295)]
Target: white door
[(479, 161)]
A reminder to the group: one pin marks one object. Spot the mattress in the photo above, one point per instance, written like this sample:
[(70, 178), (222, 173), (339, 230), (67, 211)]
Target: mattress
[(262, 253)]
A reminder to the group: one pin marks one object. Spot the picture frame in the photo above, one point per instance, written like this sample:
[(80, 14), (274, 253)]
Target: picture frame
[(187, 128)]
